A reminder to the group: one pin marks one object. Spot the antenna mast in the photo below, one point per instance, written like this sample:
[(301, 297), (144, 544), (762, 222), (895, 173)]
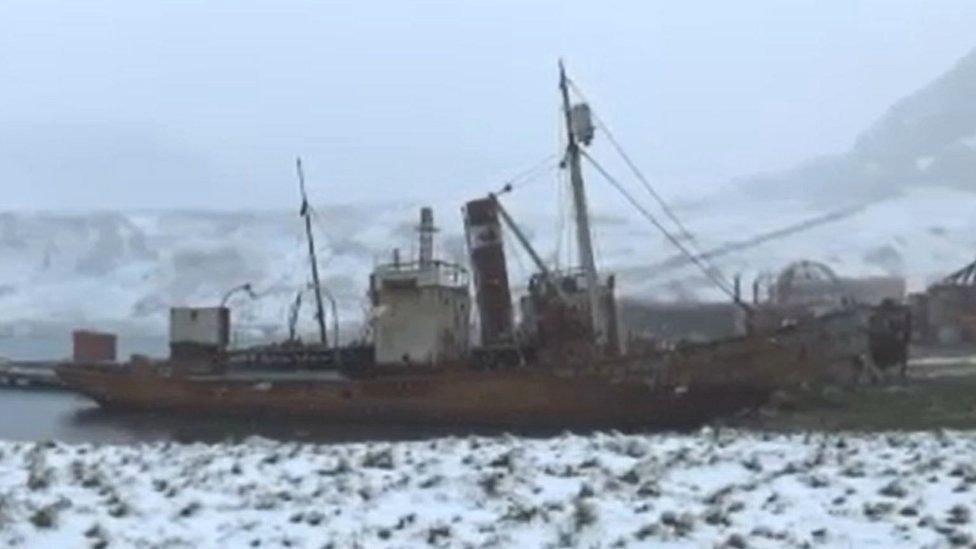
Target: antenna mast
[(583, 237), (319, 310)]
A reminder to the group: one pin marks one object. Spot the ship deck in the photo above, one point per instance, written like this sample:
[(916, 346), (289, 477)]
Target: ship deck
[(258, 376)]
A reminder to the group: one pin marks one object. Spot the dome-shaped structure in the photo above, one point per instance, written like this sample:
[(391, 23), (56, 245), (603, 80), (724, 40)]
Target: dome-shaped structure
[(809, 284)]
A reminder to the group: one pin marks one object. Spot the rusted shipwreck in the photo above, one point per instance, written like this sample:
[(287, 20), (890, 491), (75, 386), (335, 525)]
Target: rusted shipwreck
[(565, 362)]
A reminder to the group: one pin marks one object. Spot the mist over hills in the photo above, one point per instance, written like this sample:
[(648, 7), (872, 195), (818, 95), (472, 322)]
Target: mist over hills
[(914, 168), (928, 138)]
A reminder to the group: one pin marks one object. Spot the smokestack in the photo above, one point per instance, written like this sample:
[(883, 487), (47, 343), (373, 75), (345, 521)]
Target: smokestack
[(427, 231), (494, 298)]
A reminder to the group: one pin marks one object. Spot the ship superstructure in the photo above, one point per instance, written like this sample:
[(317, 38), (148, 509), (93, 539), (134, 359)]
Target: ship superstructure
[(421, 309)]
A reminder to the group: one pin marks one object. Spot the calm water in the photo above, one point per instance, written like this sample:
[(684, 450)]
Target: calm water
[(38, 415)]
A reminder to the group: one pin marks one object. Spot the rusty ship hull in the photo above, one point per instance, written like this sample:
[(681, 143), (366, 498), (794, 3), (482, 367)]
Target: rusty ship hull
[(464, 398), (672, 389)]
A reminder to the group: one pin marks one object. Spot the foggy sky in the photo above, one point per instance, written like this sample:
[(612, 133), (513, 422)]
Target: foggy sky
[(205, 105)]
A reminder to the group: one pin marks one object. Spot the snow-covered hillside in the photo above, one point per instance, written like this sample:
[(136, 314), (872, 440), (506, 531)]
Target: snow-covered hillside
[(122, 270), (713, 488)]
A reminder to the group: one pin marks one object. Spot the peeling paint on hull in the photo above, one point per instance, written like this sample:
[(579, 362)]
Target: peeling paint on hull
[(673, 389), (475, 398)]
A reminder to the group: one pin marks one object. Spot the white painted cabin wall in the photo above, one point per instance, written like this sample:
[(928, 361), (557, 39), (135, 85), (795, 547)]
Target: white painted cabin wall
[(201, 325), (429, 324)]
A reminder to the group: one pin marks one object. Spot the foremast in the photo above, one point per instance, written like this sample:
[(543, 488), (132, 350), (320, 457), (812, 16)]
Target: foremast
[(584, 238), (305, 213)]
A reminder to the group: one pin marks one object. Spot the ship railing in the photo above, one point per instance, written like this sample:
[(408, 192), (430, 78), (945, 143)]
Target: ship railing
[(431, 273)]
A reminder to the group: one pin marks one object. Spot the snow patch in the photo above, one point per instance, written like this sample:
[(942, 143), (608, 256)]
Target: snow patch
[(711, 488)]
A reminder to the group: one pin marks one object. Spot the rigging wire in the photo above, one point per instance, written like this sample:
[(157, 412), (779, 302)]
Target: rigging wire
[(565, 209), (692, 241), (756, 240), (520, 180), (633, 167), (563, 253), (715, 278), (535, 171), (535, 179), (560, 220), (507, 243)]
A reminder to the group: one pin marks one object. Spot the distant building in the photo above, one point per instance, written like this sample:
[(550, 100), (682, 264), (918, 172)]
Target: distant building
[(803, 289), (813, 285), (945, 315)]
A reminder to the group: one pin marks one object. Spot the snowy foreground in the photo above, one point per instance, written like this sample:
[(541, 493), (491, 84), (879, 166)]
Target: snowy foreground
[(724, 488)]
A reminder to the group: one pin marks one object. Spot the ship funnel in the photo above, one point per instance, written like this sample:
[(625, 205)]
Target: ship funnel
[(494, 298), (426, 230)]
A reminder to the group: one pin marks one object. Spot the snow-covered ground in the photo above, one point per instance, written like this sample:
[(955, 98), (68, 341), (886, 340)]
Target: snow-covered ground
[(711, 488)]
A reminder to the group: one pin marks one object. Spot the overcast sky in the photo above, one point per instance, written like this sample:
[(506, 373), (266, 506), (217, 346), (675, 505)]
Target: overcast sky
[(205, 104)]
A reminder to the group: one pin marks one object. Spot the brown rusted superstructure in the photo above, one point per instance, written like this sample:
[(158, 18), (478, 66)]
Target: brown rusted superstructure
[(91, 346), (484, 235)]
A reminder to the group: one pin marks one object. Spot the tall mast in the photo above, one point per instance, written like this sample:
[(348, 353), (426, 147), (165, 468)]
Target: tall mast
[(319, 310), (583, 237)]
